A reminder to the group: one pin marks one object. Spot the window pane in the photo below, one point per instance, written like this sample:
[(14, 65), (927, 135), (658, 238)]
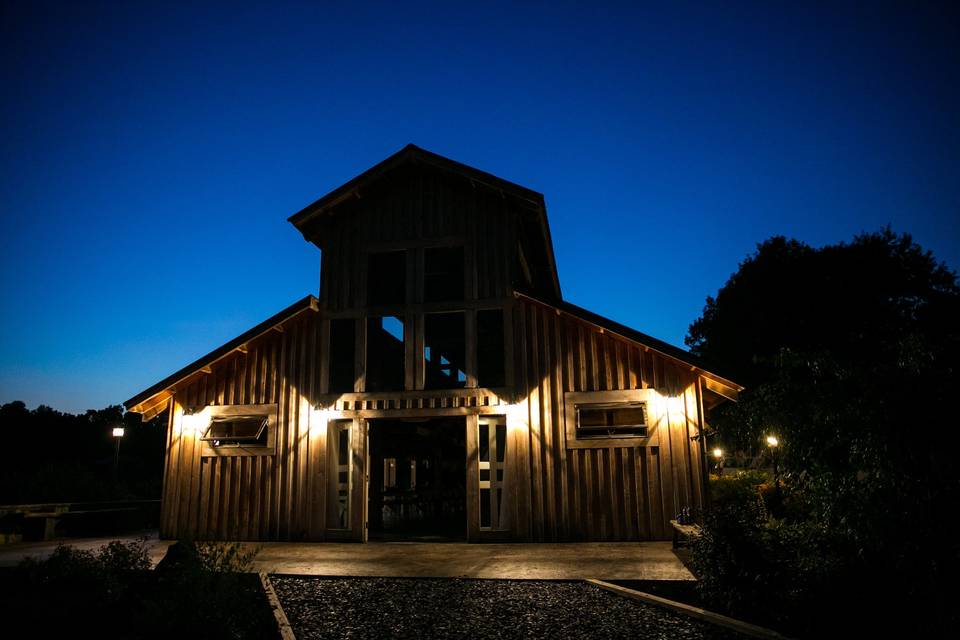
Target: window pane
[(490, 369), (445, 351), (443, 274), (484, 508), (501, 441), (384, 354), (341, 433), (593, 417), (612, 420), (484, 442), (342, 355), (236, 430), (386, 277), (627, 417)]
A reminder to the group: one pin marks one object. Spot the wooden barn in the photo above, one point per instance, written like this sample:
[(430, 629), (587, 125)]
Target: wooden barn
[(438, 388)]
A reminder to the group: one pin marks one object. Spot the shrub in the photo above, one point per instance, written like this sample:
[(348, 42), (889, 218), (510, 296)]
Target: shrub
[(199, 590), (207, 588), (765, 556)]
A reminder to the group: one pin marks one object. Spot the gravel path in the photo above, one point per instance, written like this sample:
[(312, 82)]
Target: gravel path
[(457, 608)]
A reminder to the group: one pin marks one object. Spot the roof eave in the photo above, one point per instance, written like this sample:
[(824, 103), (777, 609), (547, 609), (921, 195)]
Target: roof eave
[(717, 383)]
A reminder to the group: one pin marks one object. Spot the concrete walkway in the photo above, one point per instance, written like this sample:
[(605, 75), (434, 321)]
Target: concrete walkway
[(601, 560), (568, 561)]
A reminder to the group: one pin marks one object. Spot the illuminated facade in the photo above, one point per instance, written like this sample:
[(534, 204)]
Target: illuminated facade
[(439, 387)]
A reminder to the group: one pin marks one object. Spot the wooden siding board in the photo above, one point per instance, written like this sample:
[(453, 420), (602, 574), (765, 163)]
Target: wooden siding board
[(559, 429), (536, 436), (547, 426)]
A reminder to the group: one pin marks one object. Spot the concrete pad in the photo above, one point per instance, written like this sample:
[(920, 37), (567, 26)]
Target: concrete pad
[(12, 554), (564, 561)]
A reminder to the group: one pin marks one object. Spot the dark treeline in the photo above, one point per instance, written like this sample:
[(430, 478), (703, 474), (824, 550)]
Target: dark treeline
[(49, 456)]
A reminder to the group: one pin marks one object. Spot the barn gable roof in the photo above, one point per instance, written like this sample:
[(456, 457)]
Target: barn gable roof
[(414, 155), (718, 384)]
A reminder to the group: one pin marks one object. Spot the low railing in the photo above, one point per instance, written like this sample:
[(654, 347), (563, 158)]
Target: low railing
[(45, 521)]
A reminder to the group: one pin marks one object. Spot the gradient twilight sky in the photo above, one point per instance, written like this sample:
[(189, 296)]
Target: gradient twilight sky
[(152, 152)]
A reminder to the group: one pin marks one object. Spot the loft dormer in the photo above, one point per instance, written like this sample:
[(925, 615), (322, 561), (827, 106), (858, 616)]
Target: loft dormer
[(420, 229)]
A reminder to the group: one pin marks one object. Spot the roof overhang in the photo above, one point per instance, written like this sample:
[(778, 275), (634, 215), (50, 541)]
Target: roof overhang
[(154, 400)]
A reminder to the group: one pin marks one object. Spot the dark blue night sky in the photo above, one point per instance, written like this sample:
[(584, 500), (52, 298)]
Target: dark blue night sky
[(151, 154)]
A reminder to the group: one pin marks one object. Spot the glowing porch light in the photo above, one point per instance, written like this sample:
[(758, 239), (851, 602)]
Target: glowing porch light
[(772, 441), (118, 432), (718, 453)]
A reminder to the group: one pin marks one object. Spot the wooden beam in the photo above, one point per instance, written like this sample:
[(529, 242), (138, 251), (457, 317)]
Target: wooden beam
[(721, 389)]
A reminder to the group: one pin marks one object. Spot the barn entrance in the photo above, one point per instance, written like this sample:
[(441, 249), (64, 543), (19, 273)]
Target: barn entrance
[(417, 486)]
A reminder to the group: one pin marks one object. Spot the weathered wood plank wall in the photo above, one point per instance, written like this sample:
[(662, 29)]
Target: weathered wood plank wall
[(617, 492), (425, 208), (250, 497)]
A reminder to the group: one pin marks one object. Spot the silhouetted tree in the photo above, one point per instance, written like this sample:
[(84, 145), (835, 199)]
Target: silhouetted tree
[(50, 456), (850, 356)]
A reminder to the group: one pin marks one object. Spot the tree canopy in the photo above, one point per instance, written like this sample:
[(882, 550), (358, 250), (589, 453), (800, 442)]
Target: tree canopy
[(849, 354)]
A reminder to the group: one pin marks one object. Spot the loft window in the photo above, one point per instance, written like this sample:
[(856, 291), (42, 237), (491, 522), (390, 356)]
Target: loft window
[(444, 353), (342, 344), (490, 354), (612, 420), (385, 354), (443, 274), (386, 278), (236, 431)]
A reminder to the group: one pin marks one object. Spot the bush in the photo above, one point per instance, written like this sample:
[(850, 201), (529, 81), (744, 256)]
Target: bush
[(765, 556), (207, 585), (198, 590), (755, 566)]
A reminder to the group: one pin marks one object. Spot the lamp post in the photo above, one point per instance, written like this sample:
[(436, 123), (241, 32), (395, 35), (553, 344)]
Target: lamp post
[(117, 435), (718, 456), (773, 443)]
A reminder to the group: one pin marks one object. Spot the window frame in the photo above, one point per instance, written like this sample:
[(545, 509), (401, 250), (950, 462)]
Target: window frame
[(204, 417), (574, 400)]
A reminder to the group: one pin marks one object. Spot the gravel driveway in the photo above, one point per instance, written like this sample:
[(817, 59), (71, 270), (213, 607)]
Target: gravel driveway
[(458, 608)]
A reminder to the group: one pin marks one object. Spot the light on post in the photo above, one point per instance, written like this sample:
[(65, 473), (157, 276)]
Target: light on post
[(773, 443), (718, 456), (117, 435)]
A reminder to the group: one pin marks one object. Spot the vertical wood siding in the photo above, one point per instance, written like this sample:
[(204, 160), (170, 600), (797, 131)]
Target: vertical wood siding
[(420, 206), (250, 497), (617, 492)]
